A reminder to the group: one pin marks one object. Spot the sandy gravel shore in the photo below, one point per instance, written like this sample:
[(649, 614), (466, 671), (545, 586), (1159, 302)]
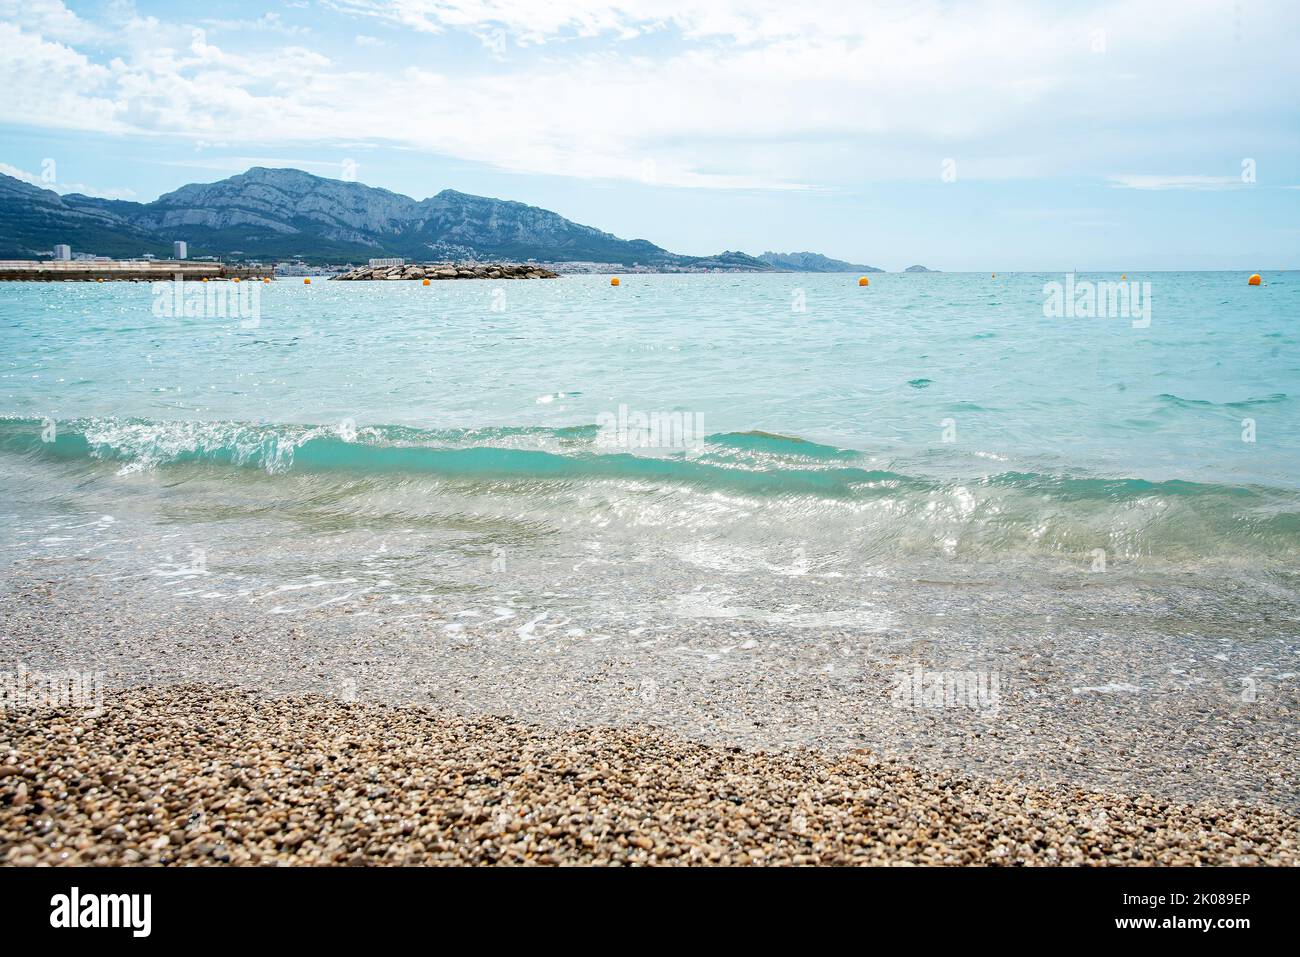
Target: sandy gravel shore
[(195, 774), (742, 683)]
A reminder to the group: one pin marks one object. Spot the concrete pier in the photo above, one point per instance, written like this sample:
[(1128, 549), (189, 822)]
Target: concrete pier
[(130, 270)]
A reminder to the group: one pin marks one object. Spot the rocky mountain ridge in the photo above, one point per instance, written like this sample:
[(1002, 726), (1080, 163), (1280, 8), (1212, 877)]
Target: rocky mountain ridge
[(275, 214)]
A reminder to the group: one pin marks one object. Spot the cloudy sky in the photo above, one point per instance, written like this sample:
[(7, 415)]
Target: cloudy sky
[(961, 135)]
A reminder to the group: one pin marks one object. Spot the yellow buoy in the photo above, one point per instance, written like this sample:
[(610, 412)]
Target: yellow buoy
[(614, 281), (99, 280), (205, 279), (1123, 275), (426, 282), (235, 279), (307, 281), (1254, 280), (864, 281)]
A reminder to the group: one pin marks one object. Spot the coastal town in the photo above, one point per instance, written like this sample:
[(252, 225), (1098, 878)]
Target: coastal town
[(61, 264)]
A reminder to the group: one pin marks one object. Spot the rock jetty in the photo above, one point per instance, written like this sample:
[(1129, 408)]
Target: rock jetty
[(451, 271)]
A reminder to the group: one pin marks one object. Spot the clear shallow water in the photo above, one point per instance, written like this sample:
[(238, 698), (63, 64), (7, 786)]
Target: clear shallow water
[(440, 444)]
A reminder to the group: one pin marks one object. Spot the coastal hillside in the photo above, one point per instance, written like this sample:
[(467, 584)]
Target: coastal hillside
[(33, 219), (285, 213), (813, 262)]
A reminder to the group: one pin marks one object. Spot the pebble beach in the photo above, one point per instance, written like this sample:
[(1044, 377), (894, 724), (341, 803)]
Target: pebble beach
[(343, 738), (198, 774)]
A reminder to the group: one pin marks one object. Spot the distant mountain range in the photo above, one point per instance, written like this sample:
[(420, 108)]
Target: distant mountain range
[(813, 262), (275, 214)]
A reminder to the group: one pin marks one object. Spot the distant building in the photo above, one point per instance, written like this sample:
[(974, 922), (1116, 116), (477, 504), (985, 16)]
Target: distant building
[(179, 249), (387, 262), (63, 251)]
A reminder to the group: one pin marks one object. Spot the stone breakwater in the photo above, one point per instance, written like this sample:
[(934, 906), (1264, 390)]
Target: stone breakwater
[(450, 271), (195, 774)]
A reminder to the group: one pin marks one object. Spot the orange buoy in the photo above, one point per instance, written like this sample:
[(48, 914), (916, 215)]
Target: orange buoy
[(425, 282), (306, 281), (864, 281), (1254, 280), (614, 281), (266, 280), (99, 280)]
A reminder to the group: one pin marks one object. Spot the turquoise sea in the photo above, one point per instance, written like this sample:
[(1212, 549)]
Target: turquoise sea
[(452, 443)]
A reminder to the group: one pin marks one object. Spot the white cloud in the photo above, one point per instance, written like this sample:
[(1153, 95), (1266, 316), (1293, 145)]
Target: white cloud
[(535, 21), (49, 84), (732, 94), (1145, 181), (62, 188), (22, 174), (239, 164), (266, 23), (50, 18)]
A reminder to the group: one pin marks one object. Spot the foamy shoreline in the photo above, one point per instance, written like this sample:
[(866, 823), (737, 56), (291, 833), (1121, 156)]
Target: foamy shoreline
[(1056, 712)]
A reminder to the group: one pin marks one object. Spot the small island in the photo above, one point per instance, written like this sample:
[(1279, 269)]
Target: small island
[(919, 269)]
